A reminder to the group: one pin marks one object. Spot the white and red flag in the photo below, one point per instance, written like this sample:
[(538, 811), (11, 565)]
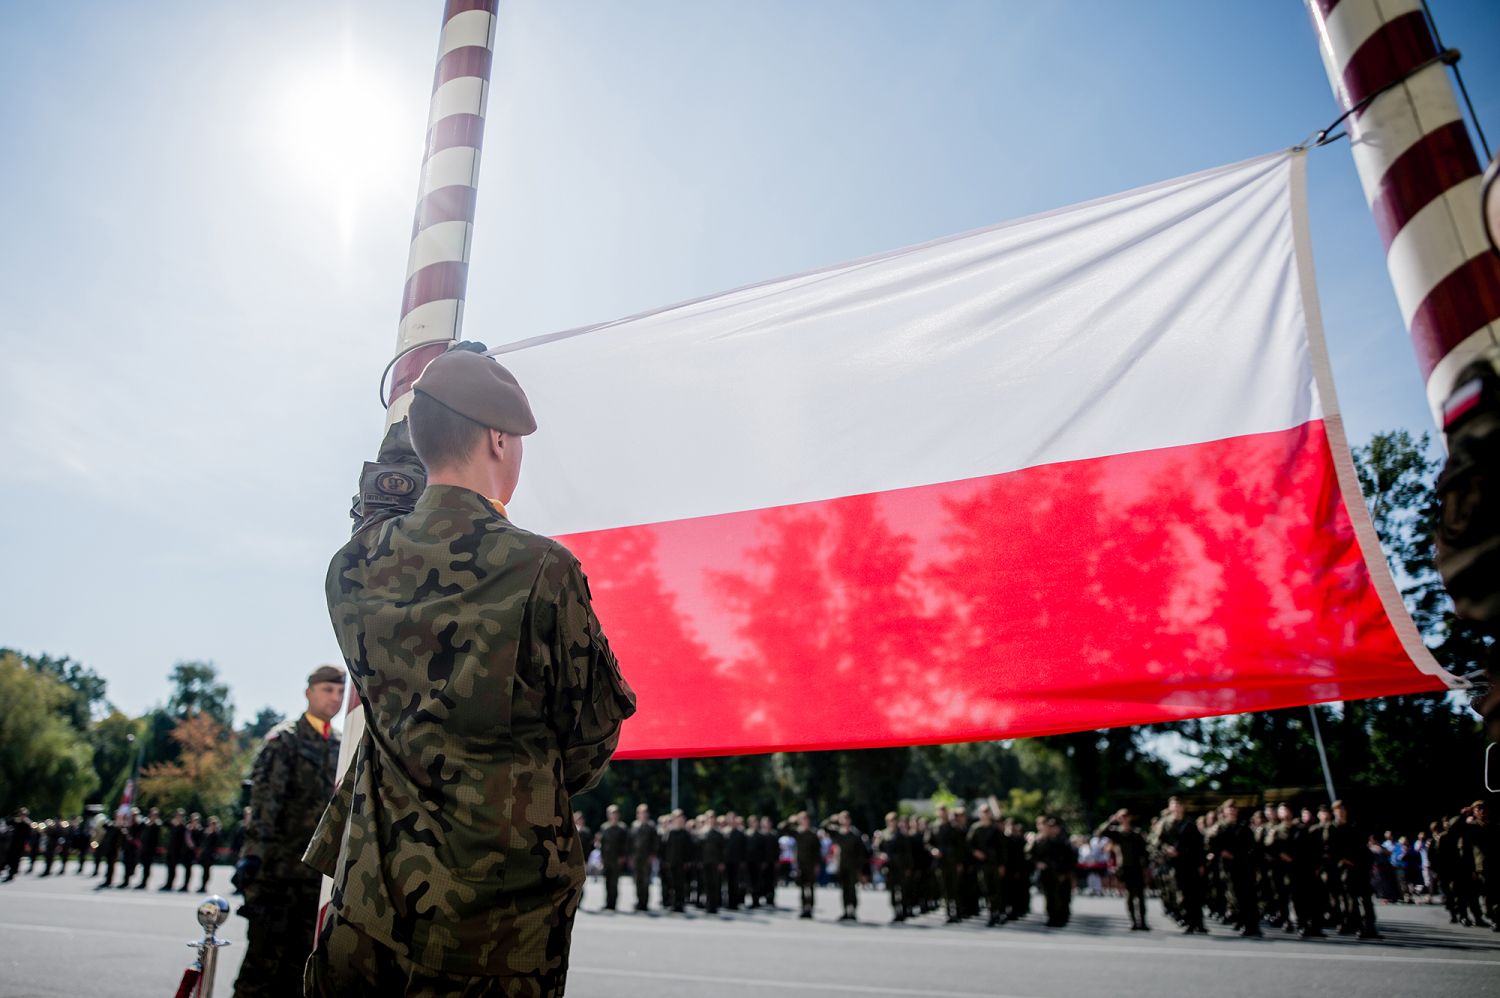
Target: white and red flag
[(1080, 470)]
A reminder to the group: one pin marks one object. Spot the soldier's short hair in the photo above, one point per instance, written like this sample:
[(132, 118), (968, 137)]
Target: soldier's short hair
[(441, 437)]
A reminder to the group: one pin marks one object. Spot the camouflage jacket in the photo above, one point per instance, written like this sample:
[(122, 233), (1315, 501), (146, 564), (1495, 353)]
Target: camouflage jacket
[(490, 697), (290, 785)]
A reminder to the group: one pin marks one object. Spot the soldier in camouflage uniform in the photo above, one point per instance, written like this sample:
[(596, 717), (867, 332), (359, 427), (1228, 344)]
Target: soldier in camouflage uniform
[(490, 697), (290, 784)]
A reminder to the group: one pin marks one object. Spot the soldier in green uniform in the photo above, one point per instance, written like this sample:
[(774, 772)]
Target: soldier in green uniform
[(645, 843), (1055, 860), (676, 854), (987, 851), (852, 856), (614, 840), (1349, 850), (892, 847), (1130, 857), (1239, 854), (946, 843), (290, 785), (490, 697), (809, 858)]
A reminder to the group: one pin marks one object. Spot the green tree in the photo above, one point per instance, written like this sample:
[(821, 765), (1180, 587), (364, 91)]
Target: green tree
[(255, 732), (46, 763), (115, 740)]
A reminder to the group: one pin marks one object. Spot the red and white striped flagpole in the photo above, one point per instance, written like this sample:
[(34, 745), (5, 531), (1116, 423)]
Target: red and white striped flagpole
[(1421, 179), (437, 266)]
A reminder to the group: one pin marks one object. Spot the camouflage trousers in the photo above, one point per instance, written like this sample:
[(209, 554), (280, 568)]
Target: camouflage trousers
[(282, 915), (348, 962)]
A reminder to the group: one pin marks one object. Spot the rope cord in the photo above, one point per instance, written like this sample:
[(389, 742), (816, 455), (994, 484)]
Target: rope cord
[(1322, 136), (1478, 128), (385, 403)]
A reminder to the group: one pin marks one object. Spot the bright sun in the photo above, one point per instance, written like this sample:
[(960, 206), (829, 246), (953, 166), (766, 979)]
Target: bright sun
[(343, 136)]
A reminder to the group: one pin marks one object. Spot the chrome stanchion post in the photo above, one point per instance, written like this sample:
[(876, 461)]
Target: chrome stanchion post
[(211, 914)]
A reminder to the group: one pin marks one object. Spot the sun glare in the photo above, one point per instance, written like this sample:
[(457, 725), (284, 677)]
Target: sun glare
[(342, 137)]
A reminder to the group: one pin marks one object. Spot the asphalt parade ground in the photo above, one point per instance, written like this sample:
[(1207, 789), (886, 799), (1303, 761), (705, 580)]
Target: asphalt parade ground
[(59, 936)]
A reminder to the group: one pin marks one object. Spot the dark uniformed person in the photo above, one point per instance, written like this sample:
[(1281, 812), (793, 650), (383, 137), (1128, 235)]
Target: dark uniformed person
[(1309, 897), (676, 854), (1017, 872), (20, 837), (175, 832), (986, 842), (1239, 855), (491, 698), (894, 849), (150, 843), (736, 845), (1130, 863), (770, 863), (645, 844), (711, 856), (1055, 860), (614, 842), (1181, 846), (208, 847), (290, 784), (809, 858), (852, 857), (1349, 850), (946, 843)]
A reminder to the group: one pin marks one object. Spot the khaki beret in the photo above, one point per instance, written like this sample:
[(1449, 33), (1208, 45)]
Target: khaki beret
[(326, 674), (477, 386)]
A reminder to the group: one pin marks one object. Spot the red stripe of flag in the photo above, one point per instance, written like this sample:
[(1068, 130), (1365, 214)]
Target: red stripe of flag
[(1400, 46), (1441, 159), (1466, 300)]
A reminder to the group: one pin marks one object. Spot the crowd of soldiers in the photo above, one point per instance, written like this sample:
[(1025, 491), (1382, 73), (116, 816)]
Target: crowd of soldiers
[(1308, 871), (944, 863), (124, 842), (1298, 871)]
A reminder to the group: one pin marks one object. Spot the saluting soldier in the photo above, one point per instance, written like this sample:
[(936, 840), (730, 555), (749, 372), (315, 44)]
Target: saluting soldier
[(1130, 862), (645, 843), (614, 840), (290, 784)]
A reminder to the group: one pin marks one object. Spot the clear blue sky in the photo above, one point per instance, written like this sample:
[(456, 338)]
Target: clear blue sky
[(208, 208)]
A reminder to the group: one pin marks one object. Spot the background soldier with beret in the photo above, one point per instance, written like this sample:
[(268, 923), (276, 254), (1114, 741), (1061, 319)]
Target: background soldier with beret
[(490, 697), (290, 785)]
